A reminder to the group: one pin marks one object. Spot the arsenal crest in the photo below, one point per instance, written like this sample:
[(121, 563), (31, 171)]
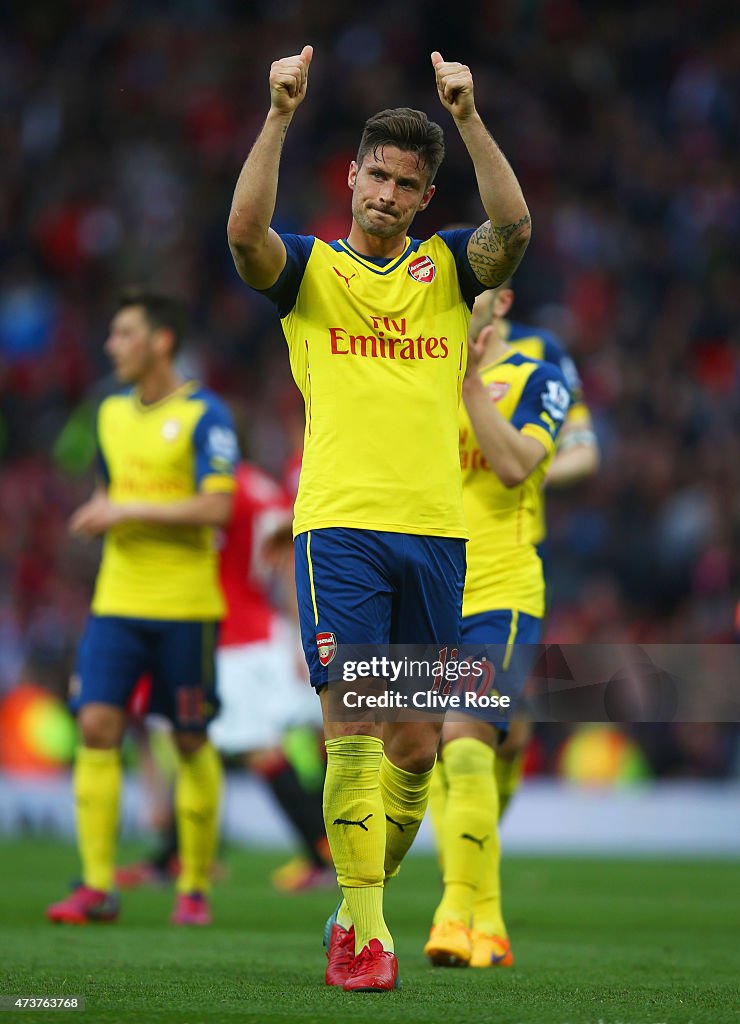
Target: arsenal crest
[(497, 389), (327, 647), (423, 269)]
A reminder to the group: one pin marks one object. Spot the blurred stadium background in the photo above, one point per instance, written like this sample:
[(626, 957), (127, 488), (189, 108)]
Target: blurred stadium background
[(124, 126)]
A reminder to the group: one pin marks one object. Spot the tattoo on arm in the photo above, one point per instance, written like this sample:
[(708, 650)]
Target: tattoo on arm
[(495, 251)]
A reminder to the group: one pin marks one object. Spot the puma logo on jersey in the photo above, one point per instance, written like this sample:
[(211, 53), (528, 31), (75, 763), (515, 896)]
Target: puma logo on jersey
[(344, 276)]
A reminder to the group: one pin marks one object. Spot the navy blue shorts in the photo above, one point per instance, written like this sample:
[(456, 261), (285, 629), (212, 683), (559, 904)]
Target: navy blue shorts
[(515, 635), (375, 587), (116, 651)]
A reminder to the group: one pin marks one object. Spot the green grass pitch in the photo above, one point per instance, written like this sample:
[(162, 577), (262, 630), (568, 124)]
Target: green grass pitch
[(618, 942)]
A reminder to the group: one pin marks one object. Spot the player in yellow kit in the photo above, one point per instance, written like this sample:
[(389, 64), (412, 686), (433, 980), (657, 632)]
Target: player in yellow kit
[(576, 457), (167, 451), (376, 325), (514, 408)]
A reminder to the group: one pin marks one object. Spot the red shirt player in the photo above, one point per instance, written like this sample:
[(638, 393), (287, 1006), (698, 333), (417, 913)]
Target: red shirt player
[(261, 507), (261, 681)]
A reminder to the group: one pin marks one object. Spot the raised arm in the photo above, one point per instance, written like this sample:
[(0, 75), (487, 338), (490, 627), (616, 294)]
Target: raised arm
[(258, 251), (497, 246)]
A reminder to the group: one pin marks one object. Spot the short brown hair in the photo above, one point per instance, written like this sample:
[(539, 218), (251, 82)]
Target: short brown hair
[(160, 310), (410, 131)]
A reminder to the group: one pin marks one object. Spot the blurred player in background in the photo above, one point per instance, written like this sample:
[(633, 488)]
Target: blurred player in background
[(260, 691), (267, 718), (576, 457), (514, 409), (167, 451), (157, 760), (376, 326)]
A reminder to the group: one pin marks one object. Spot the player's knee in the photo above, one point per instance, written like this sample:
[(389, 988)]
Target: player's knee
[(469, 728), (101, 726), (515, 741), (418, 761), (189, 743), (509, 751), (413, 751)]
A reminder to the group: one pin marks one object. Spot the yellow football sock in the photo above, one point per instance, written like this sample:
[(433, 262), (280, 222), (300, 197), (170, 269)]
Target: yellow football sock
[(356, 829), (437, 805), (344, 918), (197, 795), (469, 824), (487, 913), (97, 790), (365, 906), (405, 798), (508, 775)]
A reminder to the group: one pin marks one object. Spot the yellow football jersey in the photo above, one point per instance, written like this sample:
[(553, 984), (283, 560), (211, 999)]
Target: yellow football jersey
[(378, 349), (159, 453), (504, 569), (539, 343)]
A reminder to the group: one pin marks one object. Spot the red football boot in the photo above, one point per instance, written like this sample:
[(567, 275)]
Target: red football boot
[(373, 970), (191, 908), (340, 950), (84, 904)]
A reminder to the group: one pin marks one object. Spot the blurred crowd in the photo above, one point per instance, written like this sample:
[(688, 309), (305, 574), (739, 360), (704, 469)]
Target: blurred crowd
[(124, 125)]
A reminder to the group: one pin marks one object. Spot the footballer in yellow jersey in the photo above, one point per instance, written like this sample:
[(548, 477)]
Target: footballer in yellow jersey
[(167, 456), (577, 454), (514, 408), (163, 452), (576, 457), (377, 348), (504, 569), (376, 326)]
